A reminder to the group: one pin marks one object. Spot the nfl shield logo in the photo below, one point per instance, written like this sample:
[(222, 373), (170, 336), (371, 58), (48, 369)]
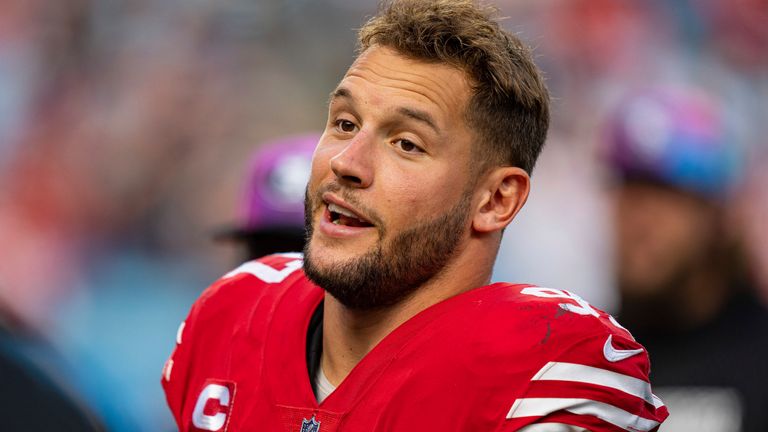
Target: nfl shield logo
[(310, 425)]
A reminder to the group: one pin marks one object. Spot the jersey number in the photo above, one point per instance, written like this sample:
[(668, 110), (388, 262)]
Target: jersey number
[(580, 307), (268, 273)]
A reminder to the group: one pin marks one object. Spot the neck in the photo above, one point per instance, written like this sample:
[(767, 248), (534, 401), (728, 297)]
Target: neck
[(348, 335)]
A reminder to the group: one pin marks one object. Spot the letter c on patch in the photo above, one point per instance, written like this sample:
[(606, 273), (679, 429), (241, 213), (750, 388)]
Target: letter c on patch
[(212, 407)]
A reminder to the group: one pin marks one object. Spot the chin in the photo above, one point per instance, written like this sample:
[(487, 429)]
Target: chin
[(326, 255), (326, 252), (322, 257)]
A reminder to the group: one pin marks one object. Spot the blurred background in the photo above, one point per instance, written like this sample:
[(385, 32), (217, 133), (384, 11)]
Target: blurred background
[(126, 127)]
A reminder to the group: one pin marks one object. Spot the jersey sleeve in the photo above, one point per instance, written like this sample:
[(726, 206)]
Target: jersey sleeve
[(177, 369), (599, 381), (207, 332)]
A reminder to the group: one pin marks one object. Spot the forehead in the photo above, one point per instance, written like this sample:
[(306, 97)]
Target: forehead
[(381, 76)]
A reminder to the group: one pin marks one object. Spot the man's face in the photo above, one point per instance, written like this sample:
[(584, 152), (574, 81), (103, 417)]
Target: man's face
[(662, 236), (389, 197)]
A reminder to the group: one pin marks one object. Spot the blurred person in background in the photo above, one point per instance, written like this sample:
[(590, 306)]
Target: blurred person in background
[(271, 217), (685, 291)]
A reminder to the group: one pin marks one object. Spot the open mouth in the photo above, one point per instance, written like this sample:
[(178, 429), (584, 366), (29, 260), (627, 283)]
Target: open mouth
[(341, 216)]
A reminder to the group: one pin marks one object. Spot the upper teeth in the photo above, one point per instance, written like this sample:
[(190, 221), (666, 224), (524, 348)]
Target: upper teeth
[(341, 210)]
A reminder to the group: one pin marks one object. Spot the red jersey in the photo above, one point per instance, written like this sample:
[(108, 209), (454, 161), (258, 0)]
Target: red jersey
[(501, 357)]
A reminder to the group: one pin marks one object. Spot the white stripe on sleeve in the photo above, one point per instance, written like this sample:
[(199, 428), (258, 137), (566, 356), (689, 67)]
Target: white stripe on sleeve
[(539, 407), (552, 427), (556, 371)]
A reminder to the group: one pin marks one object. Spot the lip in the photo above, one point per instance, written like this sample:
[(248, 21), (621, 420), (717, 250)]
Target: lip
[(340, 231), (329, 198)]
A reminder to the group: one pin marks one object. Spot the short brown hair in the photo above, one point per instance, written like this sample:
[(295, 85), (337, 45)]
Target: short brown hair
[(509, 106)]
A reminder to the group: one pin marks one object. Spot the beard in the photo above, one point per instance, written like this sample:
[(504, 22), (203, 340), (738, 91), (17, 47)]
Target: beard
[(393, 268)]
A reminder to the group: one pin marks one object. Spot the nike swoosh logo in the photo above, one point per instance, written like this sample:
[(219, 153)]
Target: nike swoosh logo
[(613, 355)]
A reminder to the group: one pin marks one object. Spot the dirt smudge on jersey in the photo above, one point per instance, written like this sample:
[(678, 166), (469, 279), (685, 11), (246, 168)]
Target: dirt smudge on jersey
[(547, 334), (561, 311)]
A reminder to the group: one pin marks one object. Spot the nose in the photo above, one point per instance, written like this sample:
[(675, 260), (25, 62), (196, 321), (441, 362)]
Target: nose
[(353, 165)]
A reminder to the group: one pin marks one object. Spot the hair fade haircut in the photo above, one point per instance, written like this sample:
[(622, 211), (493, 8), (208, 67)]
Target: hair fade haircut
[(509, 106)]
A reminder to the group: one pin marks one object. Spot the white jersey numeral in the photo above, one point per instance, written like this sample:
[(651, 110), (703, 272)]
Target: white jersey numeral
[(267, 273), (580, 306)]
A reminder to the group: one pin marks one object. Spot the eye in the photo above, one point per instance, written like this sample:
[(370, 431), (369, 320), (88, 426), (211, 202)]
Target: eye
[(345, 125), (408, 146)]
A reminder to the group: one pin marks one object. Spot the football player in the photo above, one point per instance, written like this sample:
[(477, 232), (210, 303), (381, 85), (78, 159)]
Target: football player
[(388, 322)]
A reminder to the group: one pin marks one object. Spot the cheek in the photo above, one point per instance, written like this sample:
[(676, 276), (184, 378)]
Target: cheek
[(321, 164), (421, 194), (316, 175)]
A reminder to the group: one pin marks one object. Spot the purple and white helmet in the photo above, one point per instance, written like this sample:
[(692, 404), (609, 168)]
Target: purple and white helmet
[(276, 181), (272, 197)]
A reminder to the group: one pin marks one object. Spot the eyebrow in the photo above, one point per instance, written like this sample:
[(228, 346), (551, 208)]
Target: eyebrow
[(342, 93), (420, 116), (412, 113)]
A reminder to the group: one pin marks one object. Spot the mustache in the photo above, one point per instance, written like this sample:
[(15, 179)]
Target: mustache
[(346, 194)]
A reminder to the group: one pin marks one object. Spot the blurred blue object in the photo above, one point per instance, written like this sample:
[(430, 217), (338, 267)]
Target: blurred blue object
[(119, 335)]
